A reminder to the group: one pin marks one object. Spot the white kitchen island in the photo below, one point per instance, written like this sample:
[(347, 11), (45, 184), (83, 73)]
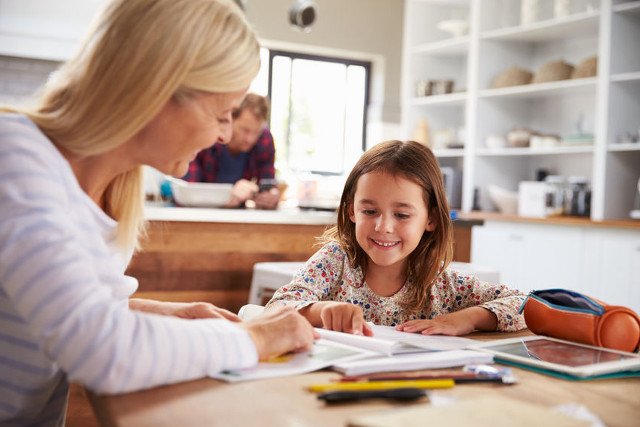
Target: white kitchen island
[(287, 215)]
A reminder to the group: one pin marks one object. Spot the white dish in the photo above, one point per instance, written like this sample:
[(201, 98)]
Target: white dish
[(506, 201), (455, 27), (495, 140), (320, 204), (200, 194)]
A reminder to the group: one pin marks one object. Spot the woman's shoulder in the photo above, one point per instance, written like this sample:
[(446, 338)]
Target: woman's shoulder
[(16, 124), (18, 133), (29, 160)]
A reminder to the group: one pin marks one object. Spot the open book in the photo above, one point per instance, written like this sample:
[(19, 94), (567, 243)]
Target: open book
[(323, 355), (387, 341), (355, 354), (412, 362)]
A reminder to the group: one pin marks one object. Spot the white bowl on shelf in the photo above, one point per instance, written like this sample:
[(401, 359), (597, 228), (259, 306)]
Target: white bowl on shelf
[(455, 27), (200, 194), (506, 201)]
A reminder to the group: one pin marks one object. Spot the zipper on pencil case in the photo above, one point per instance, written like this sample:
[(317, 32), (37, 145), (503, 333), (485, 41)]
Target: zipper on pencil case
[(598, 312)]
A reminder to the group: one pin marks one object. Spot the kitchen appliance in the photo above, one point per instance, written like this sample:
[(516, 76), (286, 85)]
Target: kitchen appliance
[(532, 196), (453, 185), (577, 199), (556, 194)]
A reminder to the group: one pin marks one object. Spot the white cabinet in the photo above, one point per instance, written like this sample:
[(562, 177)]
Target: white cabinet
[(530, 257), (606, 106), (612, 266), (44, 29), (601, 262)]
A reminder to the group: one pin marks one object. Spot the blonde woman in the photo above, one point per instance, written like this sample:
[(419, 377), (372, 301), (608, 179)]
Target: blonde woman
[(154, 83)]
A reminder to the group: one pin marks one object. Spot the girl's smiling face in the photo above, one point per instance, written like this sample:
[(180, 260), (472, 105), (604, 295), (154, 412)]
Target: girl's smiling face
[(390, 217)]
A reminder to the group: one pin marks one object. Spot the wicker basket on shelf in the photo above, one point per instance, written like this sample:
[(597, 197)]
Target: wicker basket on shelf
[(513, 76), (587, 68), (552, 71)]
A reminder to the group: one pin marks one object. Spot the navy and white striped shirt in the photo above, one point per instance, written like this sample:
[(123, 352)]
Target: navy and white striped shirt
[(64, 312)]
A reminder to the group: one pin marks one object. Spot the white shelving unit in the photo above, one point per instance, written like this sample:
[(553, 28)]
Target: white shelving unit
[(607, 105)]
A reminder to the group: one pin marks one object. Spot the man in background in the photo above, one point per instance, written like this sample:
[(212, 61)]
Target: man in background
[(246, 161)]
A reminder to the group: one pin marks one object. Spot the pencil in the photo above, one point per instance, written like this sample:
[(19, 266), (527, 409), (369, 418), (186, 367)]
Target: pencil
[(381, 385), (438, 375)]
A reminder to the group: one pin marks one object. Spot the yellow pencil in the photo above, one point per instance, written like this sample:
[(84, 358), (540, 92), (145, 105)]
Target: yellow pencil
[(381, 385)]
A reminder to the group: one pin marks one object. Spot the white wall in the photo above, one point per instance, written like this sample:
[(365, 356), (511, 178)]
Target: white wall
[(367, 26)]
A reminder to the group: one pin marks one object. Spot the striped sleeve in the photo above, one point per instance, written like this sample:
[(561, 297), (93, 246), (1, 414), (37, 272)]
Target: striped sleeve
[(48, 271)]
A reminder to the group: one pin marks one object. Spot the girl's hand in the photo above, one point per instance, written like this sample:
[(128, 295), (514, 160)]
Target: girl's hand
[(185, 310), (461, 322), (344, 317)]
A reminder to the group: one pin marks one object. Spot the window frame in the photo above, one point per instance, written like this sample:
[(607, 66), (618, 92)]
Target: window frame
[(335, 59)]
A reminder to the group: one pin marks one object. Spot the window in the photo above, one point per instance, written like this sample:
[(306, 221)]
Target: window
[(318, 109)]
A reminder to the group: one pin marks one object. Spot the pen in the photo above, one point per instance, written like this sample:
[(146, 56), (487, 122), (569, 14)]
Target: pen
[(381, 385), (395, 394)]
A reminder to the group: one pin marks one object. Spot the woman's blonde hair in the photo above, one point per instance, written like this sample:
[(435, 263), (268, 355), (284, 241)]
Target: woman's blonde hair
[(137, 56), (428, 260)]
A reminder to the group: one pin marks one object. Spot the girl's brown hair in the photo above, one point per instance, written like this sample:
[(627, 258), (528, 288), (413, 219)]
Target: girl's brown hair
[(416, 163)]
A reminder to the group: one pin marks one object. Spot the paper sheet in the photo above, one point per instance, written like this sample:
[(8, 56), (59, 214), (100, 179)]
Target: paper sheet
[(427, 342), (325, 353)]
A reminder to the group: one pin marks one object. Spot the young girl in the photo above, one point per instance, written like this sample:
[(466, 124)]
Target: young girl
[(386, 259)]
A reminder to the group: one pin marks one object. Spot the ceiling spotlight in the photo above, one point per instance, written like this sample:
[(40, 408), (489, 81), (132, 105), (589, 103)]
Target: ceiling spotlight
[(302, 14)]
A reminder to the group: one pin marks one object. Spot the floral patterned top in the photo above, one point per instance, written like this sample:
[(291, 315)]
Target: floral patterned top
[(328, 276)]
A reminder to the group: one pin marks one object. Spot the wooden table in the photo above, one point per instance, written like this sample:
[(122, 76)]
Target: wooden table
[(285, 402)]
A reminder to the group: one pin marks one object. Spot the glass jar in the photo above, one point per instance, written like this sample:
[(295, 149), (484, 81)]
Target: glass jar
[(577, 196), (554, 200)]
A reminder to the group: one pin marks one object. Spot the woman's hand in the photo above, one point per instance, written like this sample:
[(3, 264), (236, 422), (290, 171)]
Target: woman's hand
[(457, 323), (280, 331), (185, 310), (338, 316)]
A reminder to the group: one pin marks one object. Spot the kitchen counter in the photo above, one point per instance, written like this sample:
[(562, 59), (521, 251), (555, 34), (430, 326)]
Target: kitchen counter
[(552, 220), (287, 215), (195, 254)]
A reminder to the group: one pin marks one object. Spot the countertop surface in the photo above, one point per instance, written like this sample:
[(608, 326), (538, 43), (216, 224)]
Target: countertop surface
[(288, 215), (554, 220)]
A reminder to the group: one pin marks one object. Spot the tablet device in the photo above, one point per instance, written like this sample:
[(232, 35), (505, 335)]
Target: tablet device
[(571, 358)]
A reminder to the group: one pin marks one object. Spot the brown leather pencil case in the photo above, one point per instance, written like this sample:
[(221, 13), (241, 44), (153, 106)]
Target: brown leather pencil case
[(572, 316)]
